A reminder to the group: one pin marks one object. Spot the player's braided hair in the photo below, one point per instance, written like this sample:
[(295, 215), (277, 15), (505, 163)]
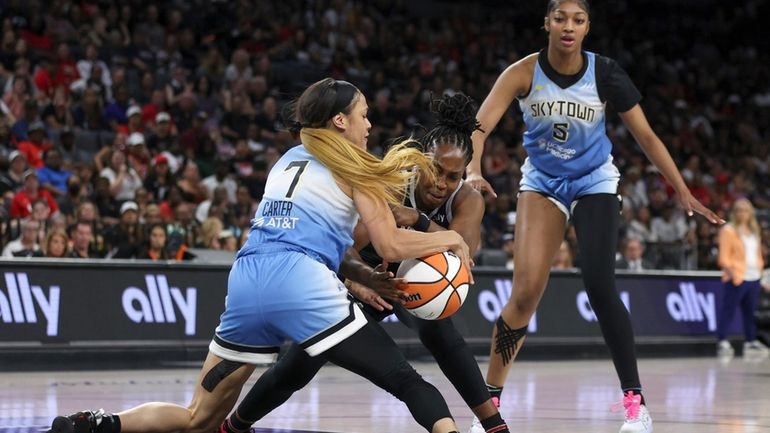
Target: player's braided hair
[(455, 122)]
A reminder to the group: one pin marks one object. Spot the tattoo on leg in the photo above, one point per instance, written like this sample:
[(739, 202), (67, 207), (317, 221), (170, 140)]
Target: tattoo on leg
[(507, 340), (218, 373)]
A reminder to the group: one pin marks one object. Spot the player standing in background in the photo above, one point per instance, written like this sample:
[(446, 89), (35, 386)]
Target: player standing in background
[(563, 92), (283, 284)]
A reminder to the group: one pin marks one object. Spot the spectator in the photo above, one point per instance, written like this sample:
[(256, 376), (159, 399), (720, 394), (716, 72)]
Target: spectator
[(56, 244), (563, 258), (124, 180), (83, 242), (105, 202), (740, 257), (20, 128), (217, 203), (89, 114), (33, 148), (155, 247), (21, 206), (13, 179), (633, 256), (134, 123), (673, 235), (17, 96), (87, 65), (508, 249), (228, 241), (190, 184), (74, 156), (116, 112), (51, 176), (164, 135), (58, 113), (124, 239), (26, 244), (221, 178), (137, 155), (208, 236)]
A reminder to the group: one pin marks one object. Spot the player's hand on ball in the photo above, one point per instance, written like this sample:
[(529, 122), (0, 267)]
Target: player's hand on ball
[(385, 284), (367, 295), (461, 250)]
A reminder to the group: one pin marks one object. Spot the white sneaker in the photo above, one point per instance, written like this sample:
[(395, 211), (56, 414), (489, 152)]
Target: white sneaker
[(724, 349), (476, 426), (638, 418), (755, 348)]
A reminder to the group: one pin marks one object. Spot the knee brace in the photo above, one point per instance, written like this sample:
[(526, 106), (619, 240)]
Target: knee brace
[(507, 340)]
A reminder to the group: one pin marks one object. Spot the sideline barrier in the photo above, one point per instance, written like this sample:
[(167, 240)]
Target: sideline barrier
[(133, 303)]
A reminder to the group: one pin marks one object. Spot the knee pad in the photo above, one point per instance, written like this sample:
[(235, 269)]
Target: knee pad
[(507, 340)]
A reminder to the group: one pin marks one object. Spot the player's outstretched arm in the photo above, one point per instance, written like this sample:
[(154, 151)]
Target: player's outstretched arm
[(656, 151)]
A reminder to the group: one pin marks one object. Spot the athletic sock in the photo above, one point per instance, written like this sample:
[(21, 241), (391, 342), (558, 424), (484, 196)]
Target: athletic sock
[(110, 424), (494, 424), (495, 392)]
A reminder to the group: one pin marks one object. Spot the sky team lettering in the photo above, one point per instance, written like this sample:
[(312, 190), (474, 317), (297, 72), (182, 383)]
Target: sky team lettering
[(277, 214), (563, 108), (19, 303), (156, 304)]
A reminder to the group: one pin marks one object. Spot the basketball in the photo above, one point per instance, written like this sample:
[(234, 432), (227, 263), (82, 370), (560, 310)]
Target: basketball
[(436, 285)]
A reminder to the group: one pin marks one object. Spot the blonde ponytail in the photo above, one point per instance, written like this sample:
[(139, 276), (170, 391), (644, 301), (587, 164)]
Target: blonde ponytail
[(384, 178)]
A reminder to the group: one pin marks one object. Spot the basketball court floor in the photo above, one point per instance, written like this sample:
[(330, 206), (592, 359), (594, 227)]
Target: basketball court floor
[(703, 395)]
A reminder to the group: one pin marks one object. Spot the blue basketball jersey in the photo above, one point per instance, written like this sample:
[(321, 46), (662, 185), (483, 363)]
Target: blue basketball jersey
[(566, 135), (303, 207)]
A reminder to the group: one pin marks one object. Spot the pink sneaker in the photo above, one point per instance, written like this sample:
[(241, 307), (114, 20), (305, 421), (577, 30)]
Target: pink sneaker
[(638, 418)]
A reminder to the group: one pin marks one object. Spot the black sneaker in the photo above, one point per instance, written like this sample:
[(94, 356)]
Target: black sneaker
[(81, 422)]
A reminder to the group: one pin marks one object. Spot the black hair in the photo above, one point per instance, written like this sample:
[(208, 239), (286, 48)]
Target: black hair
[(319, 103), (553, 4), (455, 122)]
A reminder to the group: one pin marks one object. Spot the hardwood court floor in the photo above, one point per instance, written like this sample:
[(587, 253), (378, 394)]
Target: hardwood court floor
[(703, 395)]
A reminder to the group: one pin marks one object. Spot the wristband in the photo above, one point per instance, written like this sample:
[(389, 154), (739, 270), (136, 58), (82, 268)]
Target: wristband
[(422, 224)]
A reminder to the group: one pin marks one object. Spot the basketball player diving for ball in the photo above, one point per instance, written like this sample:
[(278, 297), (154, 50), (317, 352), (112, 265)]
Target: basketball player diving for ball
[(447, 203), (283, 284)]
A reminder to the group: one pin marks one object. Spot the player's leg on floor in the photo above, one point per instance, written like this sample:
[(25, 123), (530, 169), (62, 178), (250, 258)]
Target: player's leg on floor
[(372, 354), (217, 390), (457, 363), (596, 219), (539, 232), (292, 372)]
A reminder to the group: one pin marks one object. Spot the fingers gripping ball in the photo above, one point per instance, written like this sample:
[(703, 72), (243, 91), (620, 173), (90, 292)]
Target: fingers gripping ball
[(436, 285)]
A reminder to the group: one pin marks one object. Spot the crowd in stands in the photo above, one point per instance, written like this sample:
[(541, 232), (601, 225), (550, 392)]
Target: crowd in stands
[(139, 129)]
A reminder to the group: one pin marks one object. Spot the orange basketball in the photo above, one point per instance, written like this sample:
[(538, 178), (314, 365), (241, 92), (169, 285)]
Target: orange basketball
[(437, 285)]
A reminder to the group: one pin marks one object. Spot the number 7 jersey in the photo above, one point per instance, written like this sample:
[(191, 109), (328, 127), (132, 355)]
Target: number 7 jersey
[(566, 136), (303, 208)]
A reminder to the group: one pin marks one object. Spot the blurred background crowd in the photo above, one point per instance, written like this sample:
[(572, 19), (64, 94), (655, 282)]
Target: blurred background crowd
[(139, 129)]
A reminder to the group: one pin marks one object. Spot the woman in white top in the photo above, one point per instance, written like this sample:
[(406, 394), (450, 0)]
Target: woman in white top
[(740, 257)]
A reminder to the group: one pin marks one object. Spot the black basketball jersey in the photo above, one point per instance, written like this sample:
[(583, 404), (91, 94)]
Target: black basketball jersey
[(442, 216)]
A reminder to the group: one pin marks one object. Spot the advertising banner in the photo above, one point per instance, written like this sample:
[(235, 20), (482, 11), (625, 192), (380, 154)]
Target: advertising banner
[(141, 303)]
